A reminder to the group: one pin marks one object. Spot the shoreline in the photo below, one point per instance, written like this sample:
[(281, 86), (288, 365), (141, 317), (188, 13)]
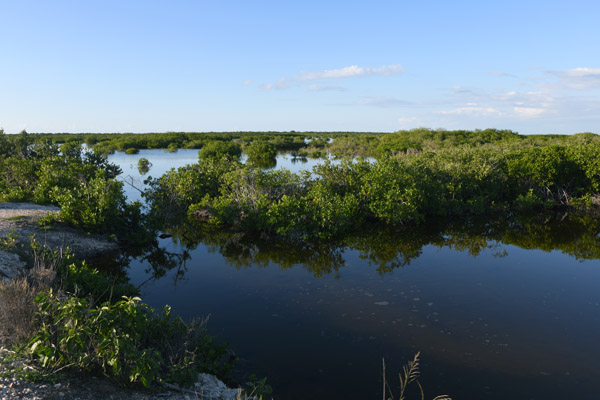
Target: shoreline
[(18, 221)]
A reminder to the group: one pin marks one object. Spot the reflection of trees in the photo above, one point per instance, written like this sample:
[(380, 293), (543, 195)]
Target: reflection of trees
[(246, 250), (264, 163), (386, 249), (159, 261), (296, 158), (576, 235)]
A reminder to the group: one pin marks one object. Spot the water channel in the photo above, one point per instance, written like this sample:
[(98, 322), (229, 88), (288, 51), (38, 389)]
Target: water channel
[(501, 308)]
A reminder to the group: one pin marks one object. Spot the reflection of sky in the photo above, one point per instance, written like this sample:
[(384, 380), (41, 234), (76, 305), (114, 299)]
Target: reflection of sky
[(520, 326), (528, 321)]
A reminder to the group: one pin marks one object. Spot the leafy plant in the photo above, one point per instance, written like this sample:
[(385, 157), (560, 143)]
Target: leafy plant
[(126, 340), (258, 388)]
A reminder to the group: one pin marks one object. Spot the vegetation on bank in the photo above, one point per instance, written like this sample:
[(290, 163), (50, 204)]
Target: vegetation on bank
[(222, 193), (416, 176), (71, 316), (81, 182), (341, 144), (67, 314)]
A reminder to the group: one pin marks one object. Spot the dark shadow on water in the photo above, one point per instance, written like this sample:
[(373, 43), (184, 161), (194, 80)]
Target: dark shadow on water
[(385, 248), (492, 319)]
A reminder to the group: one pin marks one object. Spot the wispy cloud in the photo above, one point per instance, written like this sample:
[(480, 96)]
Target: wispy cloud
[(579, 78), (383, 101), (283, 83), (473, 110), (247, 82), (352, 71), (528, 112), (471, 102)]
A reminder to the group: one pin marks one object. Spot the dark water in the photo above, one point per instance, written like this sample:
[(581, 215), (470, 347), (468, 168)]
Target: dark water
[(504, 308)]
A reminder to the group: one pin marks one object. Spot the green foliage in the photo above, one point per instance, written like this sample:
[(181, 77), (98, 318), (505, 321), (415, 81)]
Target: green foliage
[(258, 388), (220, 149), (131, 150), (80, 279), (82, 183), (76, 277), (554, 172), (172, 147), (126, 340), (261, 153), (171, 195), (400, 189), (9, 242), (144, 166), (392, 193), (94, 204)]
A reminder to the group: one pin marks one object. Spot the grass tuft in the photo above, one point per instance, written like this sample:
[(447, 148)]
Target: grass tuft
[(410, 374)]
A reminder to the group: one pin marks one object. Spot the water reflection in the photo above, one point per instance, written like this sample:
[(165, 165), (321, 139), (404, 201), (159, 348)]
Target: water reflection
[(263, 163), (496, 309), (384, 248), (501, 307)]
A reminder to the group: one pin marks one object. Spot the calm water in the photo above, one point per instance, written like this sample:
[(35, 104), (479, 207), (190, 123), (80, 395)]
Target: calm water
[(494, 315)]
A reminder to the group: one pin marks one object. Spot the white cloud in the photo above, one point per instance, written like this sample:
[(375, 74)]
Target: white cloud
[(529, 112), (472, 111), (352, 71), (247, 82), (579, 78), (280, 84), (584, 72)]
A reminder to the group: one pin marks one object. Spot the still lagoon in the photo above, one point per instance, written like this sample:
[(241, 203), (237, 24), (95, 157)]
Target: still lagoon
[(507, 307)]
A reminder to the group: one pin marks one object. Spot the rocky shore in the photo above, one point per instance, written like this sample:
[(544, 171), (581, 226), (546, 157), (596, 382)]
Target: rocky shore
[(19, 221)]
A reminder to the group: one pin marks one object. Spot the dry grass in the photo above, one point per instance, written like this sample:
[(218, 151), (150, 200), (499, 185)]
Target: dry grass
[(410, 374), (17, 297), (17, 307)]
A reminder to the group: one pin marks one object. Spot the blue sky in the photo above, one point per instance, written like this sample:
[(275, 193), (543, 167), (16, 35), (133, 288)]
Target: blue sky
[(155, 66)]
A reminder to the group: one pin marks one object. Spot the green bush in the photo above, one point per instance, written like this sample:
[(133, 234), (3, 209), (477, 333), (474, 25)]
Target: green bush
[(95, 204), (261, 153), (127, 341), (144, 166), (396, 189), (219, 149)]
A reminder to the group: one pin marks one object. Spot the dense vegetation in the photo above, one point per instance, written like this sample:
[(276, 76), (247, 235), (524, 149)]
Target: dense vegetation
[(255, 215), (82, 183), (411, 177), (395, 189), (108, 143), (69, 315)]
